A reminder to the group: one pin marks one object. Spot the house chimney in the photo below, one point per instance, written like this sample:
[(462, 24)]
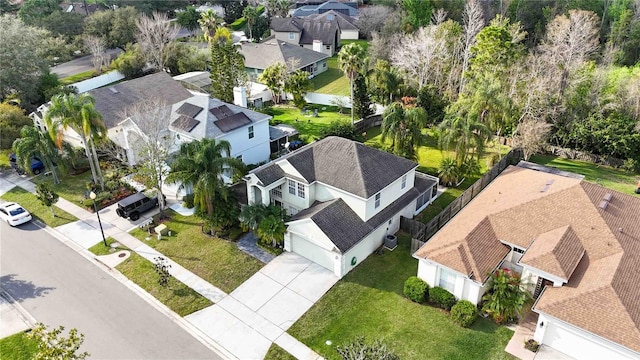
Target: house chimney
[(317, 45), (240, 96)]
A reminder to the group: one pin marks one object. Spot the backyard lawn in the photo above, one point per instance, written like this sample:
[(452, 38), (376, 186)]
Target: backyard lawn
[(18, 347), (332, 81), (217, 261), (176, 296), (609, 177), (369, 302), (307, 125), (31, 203)]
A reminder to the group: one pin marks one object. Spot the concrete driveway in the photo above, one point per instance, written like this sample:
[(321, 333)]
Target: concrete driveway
[(260, 310)]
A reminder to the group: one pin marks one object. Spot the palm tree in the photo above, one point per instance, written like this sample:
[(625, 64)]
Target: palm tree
[(386, 81), (250, 15), (271, 230), (209, 22), (200, 166), (351, 59), (77, 112), (462, 135), (403, 124), (34, 143)]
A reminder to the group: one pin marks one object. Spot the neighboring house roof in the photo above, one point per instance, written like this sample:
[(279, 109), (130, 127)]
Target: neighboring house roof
[(345, 22), (203, 117), (602, 295), (112, 100), (280, 131), (309, 29), (349, 9), (271, 51), (345, 164), (79, 8)]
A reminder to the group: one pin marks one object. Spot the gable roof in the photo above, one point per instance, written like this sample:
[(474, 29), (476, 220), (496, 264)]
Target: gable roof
[(110, 101), (349, 9), (271, 51), (556, 252), (523, 204), (211, 118), (309, 29), (345, 164), (345, 22)]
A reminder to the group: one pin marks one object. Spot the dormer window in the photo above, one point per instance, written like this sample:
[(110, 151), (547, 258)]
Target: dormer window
[(377, 200)]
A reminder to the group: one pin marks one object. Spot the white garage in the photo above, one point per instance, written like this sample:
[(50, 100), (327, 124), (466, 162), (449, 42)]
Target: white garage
[(578, 343), (314, 252)]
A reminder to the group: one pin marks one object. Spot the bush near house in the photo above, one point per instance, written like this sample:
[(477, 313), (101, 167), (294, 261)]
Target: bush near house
[(416, 289), (464, 313), (441, 297)]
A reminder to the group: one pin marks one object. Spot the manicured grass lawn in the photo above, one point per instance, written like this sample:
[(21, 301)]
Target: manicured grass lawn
[(4, 158), (277, 353), (18, 347), (361, 42), (612, 178), (218, 261), (332, 81), (176, 296), (71, 187), (100, 249), (78, 77), (308, 125), (31, 203), (369, 302)]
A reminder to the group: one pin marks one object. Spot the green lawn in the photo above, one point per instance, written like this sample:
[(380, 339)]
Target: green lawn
[(78, 77), (31, 203), (218, 261), (308, 126), (277, 353), (612, 178), (361, 42), (332, 81), (369, 302), (176, 296), (71, 187), (100, 249), (18, 347), (4, 158)]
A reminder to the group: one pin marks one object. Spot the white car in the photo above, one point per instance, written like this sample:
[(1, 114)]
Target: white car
[(14, 214)]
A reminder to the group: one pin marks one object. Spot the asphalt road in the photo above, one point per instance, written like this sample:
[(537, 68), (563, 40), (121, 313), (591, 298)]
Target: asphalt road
[(60, 287), (80, 64)]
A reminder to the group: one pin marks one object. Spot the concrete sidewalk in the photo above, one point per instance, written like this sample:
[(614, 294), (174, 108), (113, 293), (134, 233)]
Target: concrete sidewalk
[(238, 317)]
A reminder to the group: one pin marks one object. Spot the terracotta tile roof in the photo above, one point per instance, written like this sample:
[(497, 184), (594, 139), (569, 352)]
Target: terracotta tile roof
[(554, 220), (556, 252)]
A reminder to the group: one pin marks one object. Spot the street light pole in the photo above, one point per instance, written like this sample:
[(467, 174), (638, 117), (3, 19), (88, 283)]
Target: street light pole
[(95, 207)]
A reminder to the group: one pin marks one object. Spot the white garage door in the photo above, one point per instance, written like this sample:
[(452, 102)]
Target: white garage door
[(579, 346), (313, 252)]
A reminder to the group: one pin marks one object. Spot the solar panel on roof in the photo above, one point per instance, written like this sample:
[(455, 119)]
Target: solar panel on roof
[(189, 110), (185, 123), (225, 109), (218, 113), (232, 122)]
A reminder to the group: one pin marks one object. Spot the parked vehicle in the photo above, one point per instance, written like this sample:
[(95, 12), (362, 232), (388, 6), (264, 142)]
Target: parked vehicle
[(14, 214), (132, 206), (37, 166)]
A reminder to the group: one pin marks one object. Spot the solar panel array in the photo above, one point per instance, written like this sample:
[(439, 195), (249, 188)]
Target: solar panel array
[(232, 122), (185, 123), (189, 110)]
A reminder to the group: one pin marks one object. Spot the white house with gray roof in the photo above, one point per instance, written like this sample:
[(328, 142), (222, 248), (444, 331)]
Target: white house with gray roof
[(259, 56), (343, 198)]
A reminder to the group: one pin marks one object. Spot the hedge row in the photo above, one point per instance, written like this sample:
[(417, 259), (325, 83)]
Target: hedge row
[(463, 312)]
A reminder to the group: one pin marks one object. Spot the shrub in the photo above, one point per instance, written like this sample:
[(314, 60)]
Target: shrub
[(441, 297), (531, 345), (188, 201), (339, 128), (415, 289), (506, 297), (464, 313)]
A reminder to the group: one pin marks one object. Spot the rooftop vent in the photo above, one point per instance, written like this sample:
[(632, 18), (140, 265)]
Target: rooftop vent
[(603, 204), (607, 197), (547, 185), (113, 90)]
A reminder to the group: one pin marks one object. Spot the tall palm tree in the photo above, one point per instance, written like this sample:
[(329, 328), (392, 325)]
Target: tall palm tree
[(78, 113), (466, 136), (34, 143), (209, 22), (200, 165), (403, 124), (351, 59), (250, 15)]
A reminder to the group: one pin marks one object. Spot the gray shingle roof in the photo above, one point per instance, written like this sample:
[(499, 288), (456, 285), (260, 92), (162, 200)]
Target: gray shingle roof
[(345, 22), (271, 51), (347, 9), (111, 104), (310, 29), (343, 226), (286, 24), (348, 165)]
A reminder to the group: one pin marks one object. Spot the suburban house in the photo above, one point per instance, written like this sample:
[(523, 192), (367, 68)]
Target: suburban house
[(256, 94), (576, 245), (307, 33), (348, 28), (83, 9), (343, 197), (259, 56), (194, 116), (348, 8)]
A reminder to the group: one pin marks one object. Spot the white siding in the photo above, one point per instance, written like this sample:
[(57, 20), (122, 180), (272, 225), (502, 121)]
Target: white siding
[(390, 194), (325, 193), (428, 271), (349, 35), (254, 150), (578, 343), (465, 288)]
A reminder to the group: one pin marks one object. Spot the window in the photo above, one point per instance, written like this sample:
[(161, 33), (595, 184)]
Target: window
[(328, 47), (277, 192), (447, 280), (518, 250), (301, 192), (250, 132), (404, 181), (377, 203), (324, 65), (292, 187), (292, 36)]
